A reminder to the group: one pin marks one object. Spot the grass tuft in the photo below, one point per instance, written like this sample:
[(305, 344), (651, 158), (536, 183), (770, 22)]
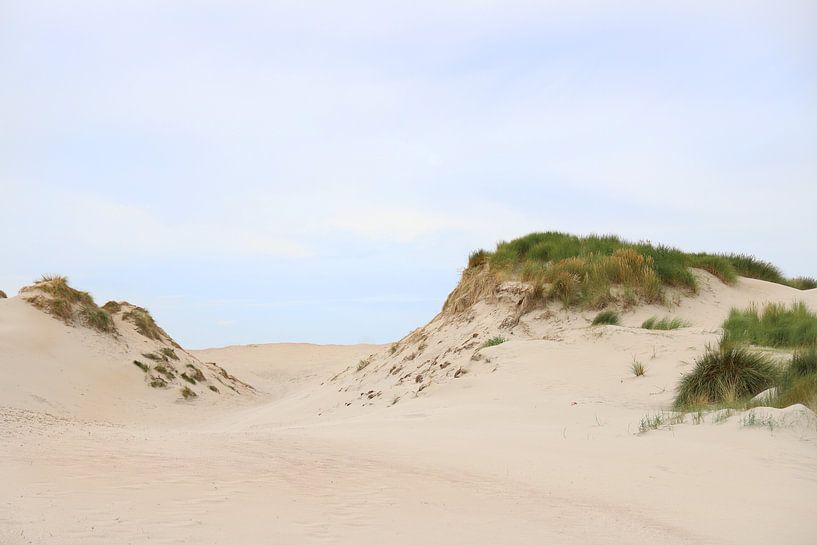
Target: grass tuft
[(187, 393), (364, 363), (3, 295), (143, 366), (607, 317), (724, 374), (494, 341), (638, 368), (664, 324)]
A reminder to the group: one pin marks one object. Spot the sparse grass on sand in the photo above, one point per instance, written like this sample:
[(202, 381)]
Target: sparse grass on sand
[(607, 317), (638, 368), (726, 373), (143, 366), (144, 322), (582, 271), (664, 324), (187, 393), (776, 325), (494, 341), (364, 363), (55, 296)]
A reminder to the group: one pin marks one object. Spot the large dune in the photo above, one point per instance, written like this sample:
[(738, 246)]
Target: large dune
[(431, 440)]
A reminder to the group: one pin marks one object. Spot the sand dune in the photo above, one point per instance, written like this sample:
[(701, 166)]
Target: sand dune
[(532, 441)]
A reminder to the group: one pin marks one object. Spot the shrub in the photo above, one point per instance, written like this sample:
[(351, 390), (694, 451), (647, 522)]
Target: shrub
[(607, 317), (727, 373), (493, 341), (664, 324), (776, 325)]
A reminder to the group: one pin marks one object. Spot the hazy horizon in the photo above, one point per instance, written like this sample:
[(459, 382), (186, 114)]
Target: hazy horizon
[(259, 172)]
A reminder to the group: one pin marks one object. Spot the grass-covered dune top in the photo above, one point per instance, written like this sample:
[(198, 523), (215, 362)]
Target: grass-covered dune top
[(774, 325), (55, 296), (582, 270)]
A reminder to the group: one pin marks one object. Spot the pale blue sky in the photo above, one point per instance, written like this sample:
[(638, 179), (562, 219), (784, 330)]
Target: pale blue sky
[(318, 171)]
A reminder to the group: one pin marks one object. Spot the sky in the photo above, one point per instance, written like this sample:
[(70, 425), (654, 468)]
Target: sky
[(262, 171)]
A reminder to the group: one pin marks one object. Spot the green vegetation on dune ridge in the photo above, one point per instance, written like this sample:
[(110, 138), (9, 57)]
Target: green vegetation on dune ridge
[(584, 270), (53, 295)]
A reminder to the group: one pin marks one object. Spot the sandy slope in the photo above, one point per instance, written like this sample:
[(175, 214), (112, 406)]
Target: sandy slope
[(536, 443)]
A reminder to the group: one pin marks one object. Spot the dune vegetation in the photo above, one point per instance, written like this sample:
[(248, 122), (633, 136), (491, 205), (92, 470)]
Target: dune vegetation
[(3, 295), (774, 325), (53, 295), (734, 372), (593, 271), (607, 317), (664, 324)]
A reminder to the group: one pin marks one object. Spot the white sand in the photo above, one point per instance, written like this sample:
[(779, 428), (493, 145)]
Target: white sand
[(536, 443)]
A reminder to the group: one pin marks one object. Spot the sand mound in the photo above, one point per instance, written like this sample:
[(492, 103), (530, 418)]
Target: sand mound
[(55, 357), (482, 311)]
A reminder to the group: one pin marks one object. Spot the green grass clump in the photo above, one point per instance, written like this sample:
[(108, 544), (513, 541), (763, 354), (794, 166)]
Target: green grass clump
[(803, 283), (664, 324), (144, 367), (494, 341), (188, 378), (607, 317), (776, 325), (725, 374), (799, 382)]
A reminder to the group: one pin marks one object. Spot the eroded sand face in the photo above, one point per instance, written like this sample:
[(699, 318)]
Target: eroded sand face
[(536, 443)]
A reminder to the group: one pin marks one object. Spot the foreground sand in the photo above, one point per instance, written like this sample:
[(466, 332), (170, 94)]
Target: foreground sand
[(538, 443)]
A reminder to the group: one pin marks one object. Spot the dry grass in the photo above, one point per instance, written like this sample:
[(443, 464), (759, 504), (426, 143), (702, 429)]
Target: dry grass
[(187, 393), (145, 324), (3, 295), (53, 295)]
